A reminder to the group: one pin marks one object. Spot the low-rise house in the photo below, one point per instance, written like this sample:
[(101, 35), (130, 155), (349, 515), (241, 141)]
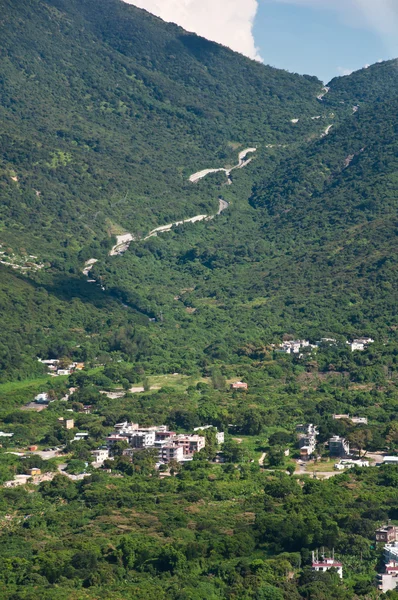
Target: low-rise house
[(339, 446), (239, 385), (324, 564), (391, 552), (42, 398), (83, 435), (64, 372), (390, 460), (5, 435), (388, 581), (360, 343), (350, 464), (219, 434), (294, 346), (171, 452), (33, 472), (100, 455), (354, 420), (190, 443), (387, 534)]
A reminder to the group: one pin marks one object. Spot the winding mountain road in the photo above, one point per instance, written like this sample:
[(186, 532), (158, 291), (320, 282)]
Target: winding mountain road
[(123, 241), (243, 161)]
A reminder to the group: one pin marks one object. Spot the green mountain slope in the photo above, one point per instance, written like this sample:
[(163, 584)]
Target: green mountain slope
[(315, 252), (106, 111)]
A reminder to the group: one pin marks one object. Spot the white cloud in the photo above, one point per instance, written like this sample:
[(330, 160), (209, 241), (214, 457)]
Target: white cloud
[(344, 71), (228, 22)]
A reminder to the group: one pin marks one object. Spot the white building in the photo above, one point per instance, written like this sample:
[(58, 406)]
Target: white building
[(360, 343), (190, 443), (219, 434), (338, 446), (170, 452), (5, 435), (325, 564), (80, 436), (388, 581), (42, 398), (350, 464), (142, 439), (355, 420), (391, 552), (307, 439), (100, 455), (294, 346)]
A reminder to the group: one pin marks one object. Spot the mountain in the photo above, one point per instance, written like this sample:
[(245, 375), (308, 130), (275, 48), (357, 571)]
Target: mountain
[(107, 111)]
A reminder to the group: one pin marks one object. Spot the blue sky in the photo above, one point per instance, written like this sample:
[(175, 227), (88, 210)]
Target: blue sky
[(319, 37), (320, 42)]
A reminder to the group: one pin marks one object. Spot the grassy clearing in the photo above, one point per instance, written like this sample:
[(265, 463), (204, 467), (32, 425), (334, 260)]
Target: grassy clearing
[(177, 381), (323, 466)]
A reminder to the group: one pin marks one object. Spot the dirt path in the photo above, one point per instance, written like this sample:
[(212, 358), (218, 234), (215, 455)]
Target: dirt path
[(261, 459), (88, 265), (327, 131), (123, 241), (122, 244), (325, 91)]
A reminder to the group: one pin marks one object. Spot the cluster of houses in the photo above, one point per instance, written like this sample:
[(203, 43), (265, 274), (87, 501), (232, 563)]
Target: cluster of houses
[(53, 365), (170, 445), (388, 580), (296, 346)]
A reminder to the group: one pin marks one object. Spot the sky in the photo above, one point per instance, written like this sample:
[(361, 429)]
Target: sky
[(319, 37)]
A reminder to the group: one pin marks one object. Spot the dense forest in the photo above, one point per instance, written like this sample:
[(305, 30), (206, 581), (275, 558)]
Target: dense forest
[(106, 113)]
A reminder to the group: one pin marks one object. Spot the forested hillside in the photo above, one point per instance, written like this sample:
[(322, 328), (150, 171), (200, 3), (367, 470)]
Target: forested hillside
[(106, 112), (110, 120)]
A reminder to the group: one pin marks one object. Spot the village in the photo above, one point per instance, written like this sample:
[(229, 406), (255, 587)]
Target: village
[(170, 448)]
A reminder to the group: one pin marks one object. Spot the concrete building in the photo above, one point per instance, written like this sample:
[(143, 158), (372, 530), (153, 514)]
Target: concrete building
[(324, 564), (355, 420), (388, 581), (100, 455), (142, 439), (387, 534), (219, 434), (338, 446), (81, 436), (347, 463), (69, 423), (33, 472), (307, 440), (190, 443), (390, 460), (360, 343), (391, 552), (239, 385), (42, 398), (170, 452)]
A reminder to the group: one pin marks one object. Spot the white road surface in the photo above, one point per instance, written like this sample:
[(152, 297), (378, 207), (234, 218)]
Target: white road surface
[(243, 161)]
